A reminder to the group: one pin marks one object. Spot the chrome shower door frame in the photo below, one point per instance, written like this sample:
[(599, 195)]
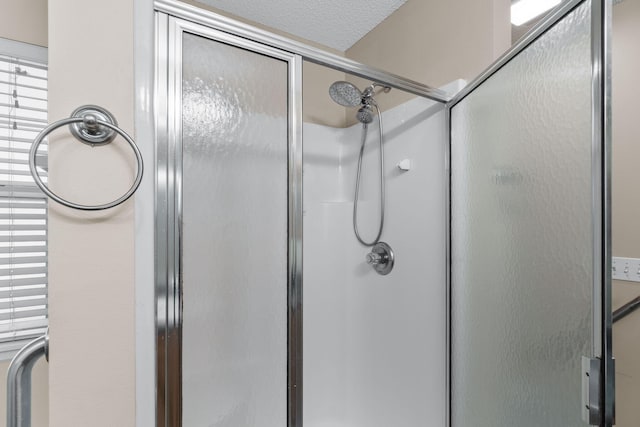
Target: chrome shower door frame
[(168, 97), (601, 142)]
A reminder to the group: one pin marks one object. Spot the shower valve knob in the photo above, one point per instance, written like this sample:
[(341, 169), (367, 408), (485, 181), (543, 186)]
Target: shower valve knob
[(374, 259), (381, 258)]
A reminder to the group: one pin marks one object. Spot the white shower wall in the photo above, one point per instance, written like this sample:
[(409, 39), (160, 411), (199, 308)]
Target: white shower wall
[(375, 346)]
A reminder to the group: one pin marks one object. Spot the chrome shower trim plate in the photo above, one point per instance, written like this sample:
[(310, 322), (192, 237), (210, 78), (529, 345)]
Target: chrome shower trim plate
[(381, 258)]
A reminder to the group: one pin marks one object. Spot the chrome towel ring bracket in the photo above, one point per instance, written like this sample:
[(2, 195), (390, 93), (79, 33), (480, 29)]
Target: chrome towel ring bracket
[(95, 126)]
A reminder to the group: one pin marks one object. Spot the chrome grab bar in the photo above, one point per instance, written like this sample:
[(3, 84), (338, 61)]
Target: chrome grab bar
[(626, 309), (19, 381)]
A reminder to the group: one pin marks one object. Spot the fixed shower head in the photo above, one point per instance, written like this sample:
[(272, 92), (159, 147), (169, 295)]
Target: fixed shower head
[(345, 94), (365, 114)]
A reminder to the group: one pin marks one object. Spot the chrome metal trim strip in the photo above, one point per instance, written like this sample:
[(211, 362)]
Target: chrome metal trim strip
[(556, 15), (168, 203), (295, 285), (601, 14), (311, 54), (173, 387), (597, 188), (214, 34), (447, 206), (161, 211)]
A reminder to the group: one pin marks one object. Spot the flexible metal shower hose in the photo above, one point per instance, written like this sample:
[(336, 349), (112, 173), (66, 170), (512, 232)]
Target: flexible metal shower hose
[(382, 183)]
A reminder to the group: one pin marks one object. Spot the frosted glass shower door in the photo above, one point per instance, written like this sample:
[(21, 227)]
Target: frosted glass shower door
[(528, 232), (234, 250), (230, 165)]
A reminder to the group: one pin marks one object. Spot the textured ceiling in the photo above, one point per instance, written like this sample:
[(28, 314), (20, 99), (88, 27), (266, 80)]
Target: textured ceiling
[(334, 23)]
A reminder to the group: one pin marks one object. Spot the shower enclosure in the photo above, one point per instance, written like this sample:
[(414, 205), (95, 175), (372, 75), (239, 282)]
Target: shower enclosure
[(497, 310)]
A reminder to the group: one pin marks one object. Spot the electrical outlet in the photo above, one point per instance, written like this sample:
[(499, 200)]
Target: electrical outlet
[(626, 269)]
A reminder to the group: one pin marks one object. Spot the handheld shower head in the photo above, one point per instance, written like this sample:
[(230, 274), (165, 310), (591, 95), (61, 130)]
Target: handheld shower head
[(345, 94), (365, 114)]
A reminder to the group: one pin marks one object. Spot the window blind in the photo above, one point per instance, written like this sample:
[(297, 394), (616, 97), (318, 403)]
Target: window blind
[(23, 207)]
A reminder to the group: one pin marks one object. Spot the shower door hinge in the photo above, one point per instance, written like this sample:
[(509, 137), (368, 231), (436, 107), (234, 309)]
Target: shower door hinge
[(591, 408)]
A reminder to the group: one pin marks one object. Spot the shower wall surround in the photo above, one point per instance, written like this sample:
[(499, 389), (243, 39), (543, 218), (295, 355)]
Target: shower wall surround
[(374, 346)]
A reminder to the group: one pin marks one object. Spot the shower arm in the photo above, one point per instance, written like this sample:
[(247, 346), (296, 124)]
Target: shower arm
[(371, 91)]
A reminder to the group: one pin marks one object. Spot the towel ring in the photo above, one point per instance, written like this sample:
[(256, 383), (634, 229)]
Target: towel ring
[(88, 125)]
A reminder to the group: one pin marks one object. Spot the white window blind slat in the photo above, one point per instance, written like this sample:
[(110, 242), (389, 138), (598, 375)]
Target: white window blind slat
[(25, 227), (21, 249), (14, 140), (17, 338), (22, 260), (37, 65), (24, 86), (21, 238), (25, 77), (35, 98), (23, 215), (21, 285), (25, 333), (13, 160), (25, 115), (22, 126), (21, 302), (22, 271), (19, 313), (8, 187), (24, 292), (14, 171), (25, 105), (23, 207), (26, 204)]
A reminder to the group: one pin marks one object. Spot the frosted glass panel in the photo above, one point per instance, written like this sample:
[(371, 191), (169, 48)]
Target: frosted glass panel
[(234, 248), (522, 236)]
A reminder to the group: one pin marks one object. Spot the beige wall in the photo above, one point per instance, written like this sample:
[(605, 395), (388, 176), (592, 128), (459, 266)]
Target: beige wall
[(626, 129), (26, 21), (317, 106), (626, 201), (436, 42), (91, 255)]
